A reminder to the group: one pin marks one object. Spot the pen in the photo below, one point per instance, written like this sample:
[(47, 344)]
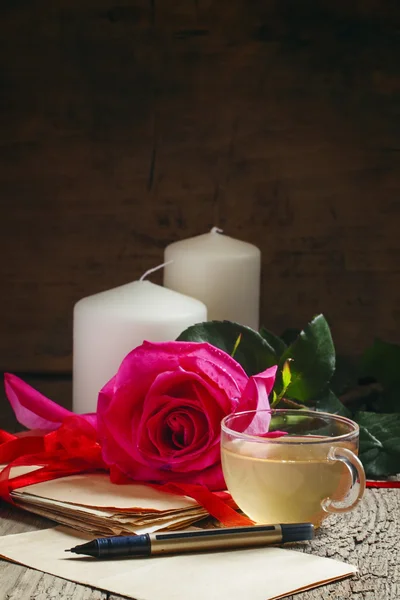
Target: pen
[(178, 542)]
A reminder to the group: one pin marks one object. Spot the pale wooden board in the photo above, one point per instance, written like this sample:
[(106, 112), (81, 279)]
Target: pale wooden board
[(367, 537)]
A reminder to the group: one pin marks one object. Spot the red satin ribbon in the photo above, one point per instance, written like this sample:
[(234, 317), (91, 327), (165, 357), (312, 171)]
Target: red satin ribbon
[(218, 504), (383, 484), (73, 449)]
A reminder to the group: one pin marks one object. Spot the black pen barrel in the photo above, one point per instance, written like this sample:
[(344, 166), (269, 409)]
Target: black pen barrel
[(130, 545)]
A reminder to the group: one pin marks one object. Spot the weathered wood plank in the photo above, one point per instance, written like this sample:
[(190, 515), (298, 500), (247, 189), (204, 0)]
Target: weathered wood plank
[(124, 126), (367, 537)]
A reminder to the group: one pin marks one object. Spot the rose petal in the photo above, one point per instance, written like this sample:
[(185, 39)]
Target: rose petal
[(119, 408), (197, 389), (211, 409), (154, 428), (144, 363), (160, 430), (183, 428), (205, 450), (119, 415), (212, 478), (273, 434), (227, 379), (255, 397), (258, 389), (32, 409)]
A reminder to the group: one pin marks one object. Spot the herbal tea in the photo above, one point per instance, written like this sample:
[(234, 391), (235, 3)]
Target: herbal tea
[(284, 482)]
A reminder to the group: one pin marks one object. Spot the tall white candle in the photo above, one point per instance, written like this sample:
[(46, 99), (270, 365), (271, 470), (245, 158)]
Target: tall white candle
[(110, 324), (222, 272)]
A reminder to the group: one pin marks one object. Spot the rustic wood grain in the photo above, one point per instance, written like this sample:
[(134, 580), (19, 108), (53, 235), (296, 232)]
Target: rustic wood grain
[(127, 125), (367, 537)]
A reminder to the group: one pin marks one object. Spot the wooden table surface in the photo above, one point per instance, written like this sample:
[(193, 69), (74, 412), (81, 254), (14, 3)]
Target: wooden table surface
[(368, 537)]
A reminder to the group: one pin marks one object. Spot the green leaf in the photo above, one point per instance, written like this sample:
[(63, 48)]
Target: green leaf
[(313, 365), (382, 362), (300, 424), (274, 341), (379, 443), (253, 353), (345, 375), (372, 455), (290, 335), (330, 403), (380, 465), (295, 423), (286, 379), (236, 346), (367, 441), (286, 374), (384, 427)]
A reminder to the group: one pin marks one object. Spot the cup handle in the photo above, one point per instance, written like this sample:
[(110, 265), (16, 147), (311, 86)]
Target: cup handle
[(357, 475)]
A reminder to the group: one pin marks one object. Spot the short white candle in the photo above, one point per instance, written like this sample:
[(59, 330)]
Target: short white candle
[(110, 324), (222, 272)]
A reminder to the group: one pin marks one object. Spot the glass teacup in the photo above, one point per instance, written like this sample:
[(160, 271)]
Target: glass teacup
[(309, 470)]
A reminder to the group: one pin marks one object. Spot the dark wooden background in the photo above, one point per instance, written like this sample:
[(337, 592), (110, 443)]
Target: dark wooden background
[(128, 124)]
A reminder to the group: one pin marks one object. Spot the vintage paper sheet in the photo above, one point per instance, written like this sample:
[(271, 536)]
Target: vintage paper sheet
[(254, 574), (91, 503), (97, 491)]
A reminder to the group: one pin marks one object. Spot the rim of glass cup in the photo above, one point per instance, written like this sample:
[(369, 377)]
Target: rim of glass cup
[(355, 429)]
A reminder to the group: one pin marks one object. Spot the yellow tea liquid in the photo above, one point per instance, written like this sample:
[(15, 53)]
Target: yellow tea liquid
[(284, 482)]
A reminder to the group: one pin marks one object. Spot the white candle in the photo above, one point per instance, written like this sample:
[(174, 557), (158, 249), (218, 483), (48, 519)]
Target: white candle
[(222, 272), (110, 324)]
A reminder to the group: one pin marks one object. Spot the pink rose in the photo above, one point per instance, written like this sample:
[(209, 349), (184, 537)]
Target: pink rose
[(159, 417)]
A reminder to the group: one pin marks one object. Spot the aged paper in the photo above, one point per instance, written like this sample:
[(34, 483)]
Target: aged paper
[(97, 491), (90, 502), (253, 574)]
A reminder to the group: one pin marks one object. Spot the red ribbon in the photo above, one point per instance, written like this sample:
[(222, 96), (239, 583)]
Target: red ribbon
[(72, 449), (382, 484), (218, 504), (69, 450)]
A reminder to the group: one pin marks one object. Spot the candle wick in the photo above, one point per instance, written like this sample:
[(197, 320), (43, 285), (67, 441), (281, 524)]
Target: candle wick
[(216, 230), (155, 269)]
